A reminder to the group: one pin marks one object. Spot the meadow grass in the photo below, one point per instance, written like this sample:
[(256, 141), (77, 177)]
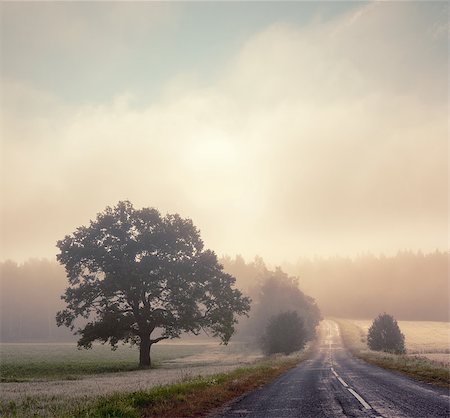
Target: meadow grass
[(24, 362), (421, 337), (354, 335), (193, 396)]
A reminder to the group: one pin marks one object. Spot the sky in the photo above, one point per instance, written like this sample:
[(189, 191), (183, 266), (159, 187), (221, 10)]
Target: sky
[(282, 129)]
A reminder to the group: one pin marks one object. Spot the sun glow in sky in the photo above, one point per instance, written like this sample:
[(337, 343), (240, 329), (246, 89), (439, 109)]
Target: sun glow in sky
[(283, 129)]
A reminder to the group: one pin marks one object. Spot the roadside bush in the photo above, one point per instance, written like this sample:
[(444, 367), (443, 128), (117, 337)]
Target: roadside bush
[(285, 333), (385, 335)]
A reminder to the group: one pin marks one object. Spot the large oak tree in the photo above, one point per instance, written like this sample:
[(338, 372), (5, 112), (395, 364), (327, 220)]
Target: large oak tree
[(132, 272)]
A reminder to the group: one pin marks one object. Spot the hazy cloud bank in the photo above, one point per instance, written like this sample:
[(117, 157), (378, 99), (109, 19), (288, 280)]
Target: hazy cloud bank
[(328, 138)]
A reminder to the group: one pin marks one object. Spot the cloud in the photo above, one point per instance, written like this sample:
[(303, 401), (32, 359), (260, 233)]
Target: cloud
[(329, 138)]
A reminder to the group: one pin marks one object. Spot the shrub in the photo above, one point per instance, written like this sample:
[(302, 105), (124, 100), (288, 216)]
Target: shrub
[(278, 292), (385, 335), (285, 333)]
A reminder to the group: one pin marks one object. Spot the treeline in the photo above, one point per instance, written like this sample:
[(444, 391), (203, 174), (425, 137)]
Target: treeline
[(410, 286), (29, 299)]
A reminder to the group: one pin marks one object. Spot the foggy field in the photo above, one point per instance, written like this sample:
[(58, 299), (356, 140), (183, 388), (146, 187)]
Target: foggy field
[(209, 181), (77, 378), (25, 362), (424, 338), (65, 361)]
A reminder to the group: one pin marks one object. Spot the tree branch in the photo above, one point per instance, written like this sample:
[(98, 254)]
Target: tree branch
[(158, 339)]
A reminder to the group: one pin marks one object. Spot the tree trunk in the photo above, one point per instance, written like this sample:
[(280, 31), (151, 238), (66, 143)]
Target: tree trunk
[(144, 352)]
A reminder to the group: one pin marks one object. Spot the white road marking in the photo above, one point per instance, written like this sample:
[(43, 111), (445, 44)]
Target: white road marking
[(354, 393), (343, 383), (339, 378), (360, 399)]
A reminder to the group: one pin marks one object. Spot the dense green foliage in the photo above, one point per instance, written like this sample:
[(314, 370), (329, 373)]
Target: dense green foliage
[(133, 272), (385, 335), (285, 333)]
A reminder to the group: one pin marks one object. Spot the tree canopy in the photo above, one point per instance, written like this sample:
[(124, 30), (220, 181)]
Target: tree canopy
[(135, 272), (385, 335)]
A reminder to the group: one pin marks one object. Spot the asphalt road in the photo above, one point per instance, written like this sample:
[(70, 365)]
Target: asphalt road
[(332, 383)]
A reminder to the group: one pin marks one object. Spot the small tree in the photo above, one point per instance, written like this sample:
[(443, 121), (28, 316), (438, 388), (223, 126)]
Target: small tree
[(385, 335), (285, 333), (132, 272)]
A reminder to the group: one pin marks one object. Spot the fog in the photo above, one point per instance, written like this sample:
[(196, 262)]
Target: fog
[(312, 130), (307, 135), (411, 286), (30, 298)]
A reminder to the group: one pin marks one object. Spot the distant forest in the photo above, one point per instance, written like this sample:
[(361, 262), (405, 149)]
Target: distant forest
[(411, 286)]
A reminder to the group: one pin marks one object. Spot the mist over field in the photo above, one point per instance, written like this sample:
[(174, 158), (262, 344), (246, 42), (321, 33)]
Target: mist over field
[(409, 285), (305, 136), (283, 130), (224, 203)]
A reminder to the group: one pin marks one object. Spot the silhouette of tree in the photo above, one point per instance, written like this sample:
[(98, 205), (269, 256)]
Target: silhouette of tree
[(278, 292), (385, 335), (132, 272), (285, 333)]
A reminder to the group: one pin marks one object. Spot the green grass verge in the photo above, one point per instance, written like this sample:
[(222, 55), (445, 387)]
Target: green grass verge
[(417, 367)]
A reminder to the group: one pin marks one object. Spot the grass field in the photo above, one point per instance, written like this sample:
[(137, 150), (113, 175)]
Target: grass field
[(191, 395), (21, 362), (46, 388), (428, 339), (426, 342)]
